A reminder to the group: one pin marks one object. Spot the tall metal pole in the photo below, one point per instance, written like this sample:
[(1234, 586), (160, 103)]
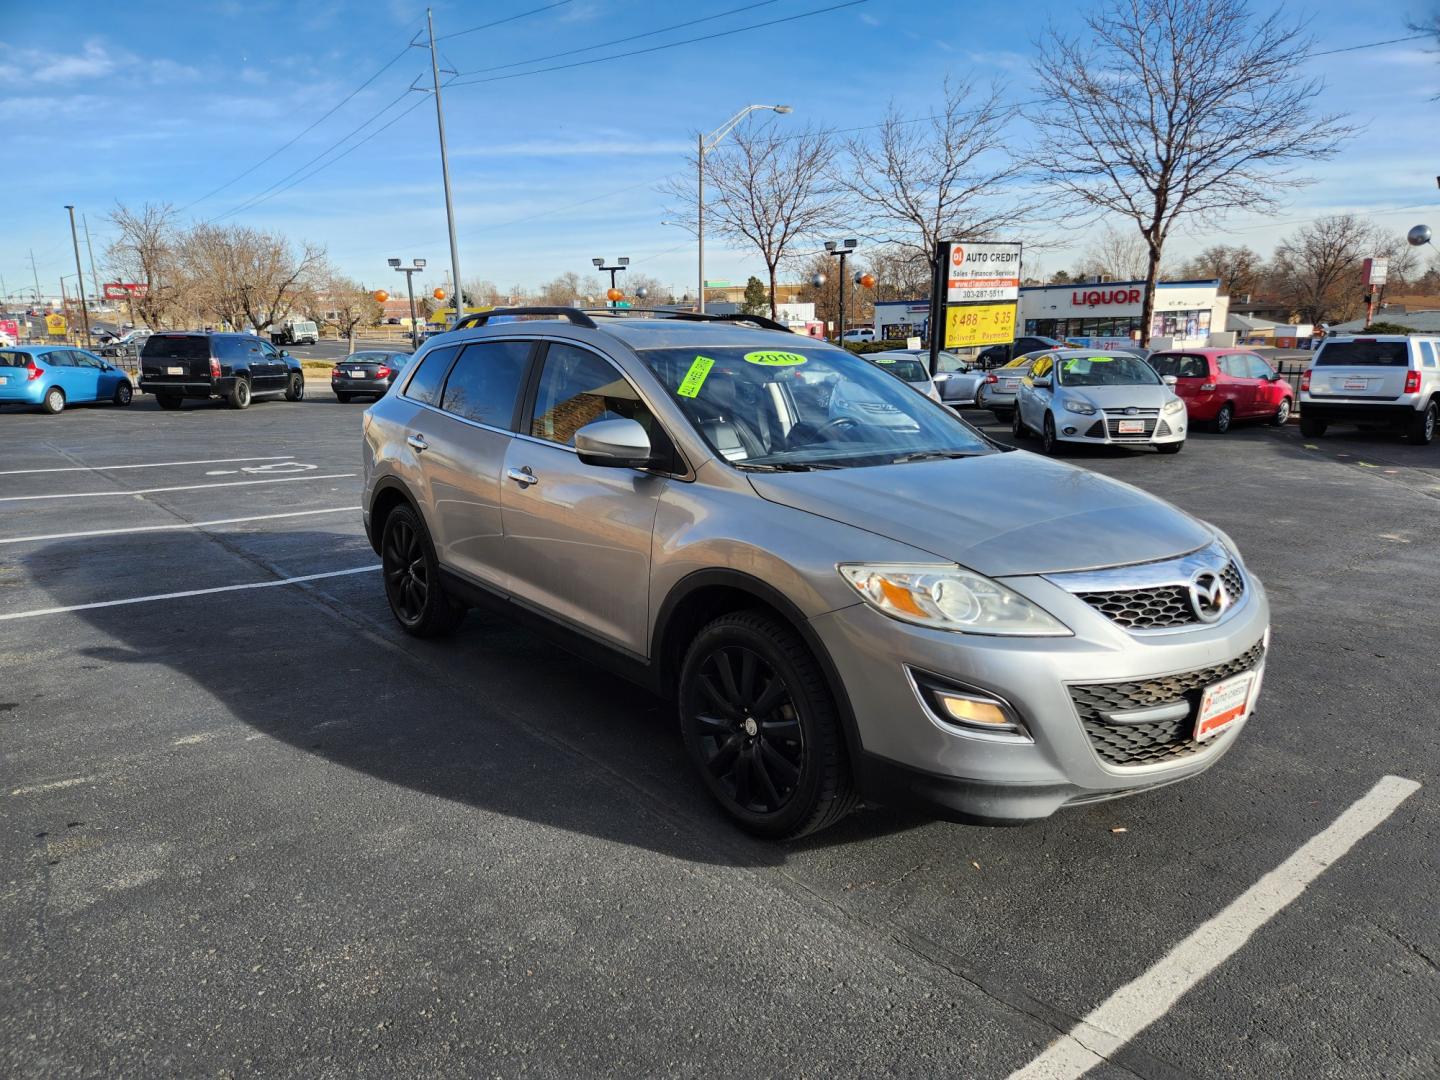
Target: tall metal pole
[(457, 291), (410, 288), (79, 276), (37, 277), (90, 249), (840, 340), (700, 217)]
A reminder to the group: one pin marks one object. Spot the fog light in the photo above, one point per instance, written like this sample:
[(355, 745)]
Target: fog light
[(969, 711), (1069, 431)]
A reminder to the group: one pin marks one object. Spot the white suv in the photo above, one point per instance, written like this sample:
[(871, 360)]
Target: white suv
[(1391, 379)]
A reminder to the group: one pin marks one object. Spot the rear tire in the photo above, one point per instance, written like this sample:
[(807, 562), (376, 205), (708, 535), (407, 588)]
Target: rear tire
[(124, 393), (1312, 429), (1421, 430), (762, 727), (296, 390), (239, 396), (1282, 414), (169, 401), (53, 401), (1221, 424), (344, 399), (412, 578)]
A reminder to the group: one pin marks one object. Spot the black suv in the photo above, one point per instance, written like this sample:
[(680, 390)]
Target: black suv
[(175, 365), (1000, 355)]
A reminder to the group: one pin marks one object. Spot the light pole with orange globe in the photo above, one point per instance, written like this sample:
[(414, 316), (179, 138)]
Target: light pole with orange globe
[(613, 295), (410, 271)]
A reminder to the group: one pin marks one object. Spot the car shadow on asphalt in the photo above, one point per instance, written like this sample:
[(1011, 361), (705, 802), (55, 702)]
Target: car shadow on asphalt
[(495, 717)]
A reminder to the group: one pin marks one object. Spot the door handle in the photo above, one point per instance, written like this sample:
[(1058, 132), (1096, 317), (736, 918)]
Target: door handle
[(524, 477), (417, 442)]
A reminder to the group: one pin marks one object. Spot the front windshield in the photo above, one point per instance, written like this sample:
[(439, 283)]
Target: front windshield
[(808, 406), (1105, 371)]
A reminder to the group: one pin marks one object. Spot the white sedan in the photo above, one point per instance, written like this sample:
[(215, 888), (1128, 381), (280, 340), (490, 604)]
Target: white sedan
[(1106, 399)]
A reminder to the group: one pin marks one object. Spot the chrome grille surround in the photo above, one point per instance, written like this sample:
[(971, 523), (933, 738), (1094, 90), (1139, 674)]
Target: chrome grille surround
[(1155, 597)]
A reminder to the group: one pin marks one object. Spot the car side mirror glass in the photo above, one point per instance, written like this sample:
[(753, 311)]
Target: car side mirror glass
[(1170, 380), (1042, 381), (615, 444)]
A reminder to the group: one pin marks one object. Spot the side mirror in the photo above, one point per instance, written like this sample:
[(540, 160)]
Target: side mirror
[(614, 444), (1169, 380), (1041, 381)]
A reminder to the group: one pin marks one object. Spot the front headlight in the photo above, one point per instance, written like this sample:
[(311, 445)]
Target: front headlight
[(1084, 408), (1174, 405), (947, 597)]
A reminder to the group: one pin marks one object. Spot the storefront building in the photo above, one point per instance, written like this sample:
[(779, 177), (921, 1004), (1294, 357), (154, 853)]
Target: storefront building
[(1107, 316)]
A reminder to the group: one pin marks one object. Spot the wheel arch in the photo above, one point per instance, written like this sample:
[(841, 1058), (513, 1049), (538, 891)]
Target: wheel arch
[(389, 493), (704, 595)]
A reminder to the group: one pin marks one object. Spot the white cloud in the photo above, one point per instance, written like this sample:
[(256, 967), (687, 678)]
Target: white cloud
[(94, 60), (578, 148)]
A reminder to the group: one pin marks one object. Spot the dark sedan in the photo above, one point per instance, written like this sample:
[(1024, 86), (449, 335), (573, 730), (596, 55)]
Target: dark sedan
[(366, 374)]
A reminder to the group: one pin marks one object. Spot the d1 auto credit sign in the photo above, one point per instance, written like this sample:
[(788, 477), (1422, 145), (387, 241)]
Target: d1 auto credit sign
[(979, 273)]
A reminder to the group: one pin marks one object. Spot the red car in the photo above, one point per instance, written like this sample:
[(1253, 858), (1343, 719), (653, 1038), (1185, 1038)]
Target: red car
[(1220, 386)]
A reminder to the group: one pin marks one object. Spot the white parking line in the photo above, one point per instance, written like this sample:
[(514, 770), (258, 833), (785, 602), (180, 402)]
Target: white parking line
[(151, 465), (188, 592), (182, 487), (1138, 1004), (54, 785), (178, 525)]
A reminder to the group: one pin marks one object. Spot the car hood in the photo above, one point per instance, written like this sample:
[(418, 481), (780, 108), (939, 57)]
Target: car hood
[(1120, 397), (1001, 514)]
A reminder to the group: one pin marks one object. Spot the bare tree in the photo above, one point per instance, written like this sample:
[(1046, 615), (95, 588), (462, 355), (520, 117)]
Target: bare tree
[(1115, 254), (945, 177), (901, 273), (1316, 270), (343, 303), (1238, 269), (570, 289), (1173, 109), (767, 190), (246, 276), (144, 254), (483, 292)]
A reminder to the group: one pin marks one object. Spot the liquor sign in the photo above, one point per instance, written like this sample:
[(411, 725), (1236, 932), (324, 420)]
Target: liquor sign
[(1375, 271), (121, 290), (982, 273), (974, 296)]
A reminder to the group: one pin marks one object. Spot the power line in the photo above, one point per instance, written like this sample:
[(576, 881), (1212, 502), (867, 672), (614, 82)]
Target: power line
[(659, 48), (501, 22), (1370, 45), (622, 40)]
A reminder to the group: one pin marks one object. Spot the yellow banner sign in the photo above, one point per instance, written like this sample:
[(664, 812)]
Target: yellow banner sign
[(979, 324), (55, 325)]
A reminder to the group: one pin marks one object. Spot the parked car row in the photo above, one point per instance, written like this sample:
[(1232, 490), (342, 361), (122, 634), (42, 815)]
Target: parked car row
[(50, 377)]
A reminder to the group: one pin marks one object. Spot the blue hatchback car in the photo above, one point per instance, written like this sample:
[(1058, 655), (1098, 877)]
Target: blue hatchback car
[(49, 377)]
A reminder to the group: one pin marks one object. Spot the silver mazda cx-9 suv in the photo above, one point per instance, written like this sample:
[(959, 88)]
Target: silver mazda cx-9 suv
[(848, 592)]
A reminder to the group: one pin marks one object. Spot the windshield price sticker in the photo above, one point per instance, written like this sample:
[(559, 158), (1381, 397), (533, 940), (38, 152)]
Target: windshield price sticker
[(695, 377), (885, 360), (774, 359)]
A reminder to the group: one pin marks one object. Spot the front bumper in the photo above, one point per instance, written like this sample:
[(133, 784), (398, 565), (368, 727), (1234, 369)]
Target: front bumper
[(1101, 429), (910, 756)]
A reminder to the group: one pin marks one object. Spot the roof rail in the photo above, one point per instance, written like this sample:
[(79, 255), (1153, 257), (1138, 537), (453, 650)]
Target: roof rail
[(694, 316), (480, 318)]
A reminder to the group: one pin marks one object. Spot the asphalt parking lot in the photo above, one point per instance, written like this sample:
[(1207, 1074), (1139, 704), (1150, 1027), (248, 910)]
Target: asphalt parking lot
[(250, 827)]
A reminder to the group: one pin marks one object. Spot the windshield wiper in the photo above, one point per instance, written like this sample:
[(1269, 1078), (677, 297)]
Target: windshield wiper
[(932, 455), (782, 466)]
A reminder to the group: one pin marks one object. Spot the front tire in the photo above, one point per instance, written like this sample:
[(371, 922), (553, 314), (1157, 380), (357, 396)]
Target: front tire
[(53, 401), (1312, 429), (344, 399), (1017, 426), (1221, 424), (412, 578), (296, 390), (124, 393), (1421, 430), (239, 396), (762, 728), (1049, 441), (1282, 414), (1171, 447)]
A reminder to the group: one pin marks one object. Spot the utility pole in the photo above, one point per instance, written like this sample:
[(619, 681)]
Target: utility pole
[(94, 277), (700, 217), (79, 276), (457, 291), (37, 277)]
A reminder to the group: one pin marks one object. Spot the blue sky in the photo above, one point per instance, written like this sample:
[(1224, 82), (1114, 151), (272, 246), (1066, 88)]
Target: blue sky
[(165, 102)]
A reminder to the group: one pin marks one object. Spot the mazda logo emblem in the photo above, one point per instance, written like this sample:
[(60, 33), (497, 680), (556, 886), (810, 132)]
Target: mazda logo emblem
[(1208, 596)]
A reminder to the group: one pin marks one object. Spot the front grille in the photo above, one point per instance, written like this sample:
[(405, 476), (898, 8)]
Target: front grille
[(1114, 427), (1165, 740), (1159, 607), (1162, 430)]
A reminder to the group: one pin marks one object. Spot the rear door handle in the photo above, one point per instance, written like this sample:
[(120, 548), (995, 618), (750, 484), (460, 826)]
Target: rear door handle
[(417, 441), (524, 477)]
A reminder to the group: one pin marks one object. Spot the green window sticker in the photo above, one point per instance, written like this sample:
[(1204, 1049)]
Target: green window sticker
[(695, 377), (774, 359), (885, 360)]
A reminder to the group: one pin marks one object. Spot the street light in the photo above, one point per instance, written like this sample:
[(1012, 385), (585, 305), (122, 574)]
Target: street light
[(841, 251), (79, 276), (620, 264), (416, 265), (704, 144)]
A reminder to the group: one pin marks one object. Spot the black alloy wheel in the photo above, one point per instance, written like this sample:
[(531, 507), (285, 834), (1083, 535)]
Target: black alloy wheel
[(761, 727), (412, 578)]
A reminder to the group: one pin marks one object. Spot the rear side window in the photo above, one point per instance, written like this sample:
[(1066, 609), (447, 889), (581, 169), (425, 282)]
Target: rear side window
[(1427, 353), (1182, 367), (485, 382), (177, 347), (14, 359), (1363, 354), (426, 384), (233, 350)]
